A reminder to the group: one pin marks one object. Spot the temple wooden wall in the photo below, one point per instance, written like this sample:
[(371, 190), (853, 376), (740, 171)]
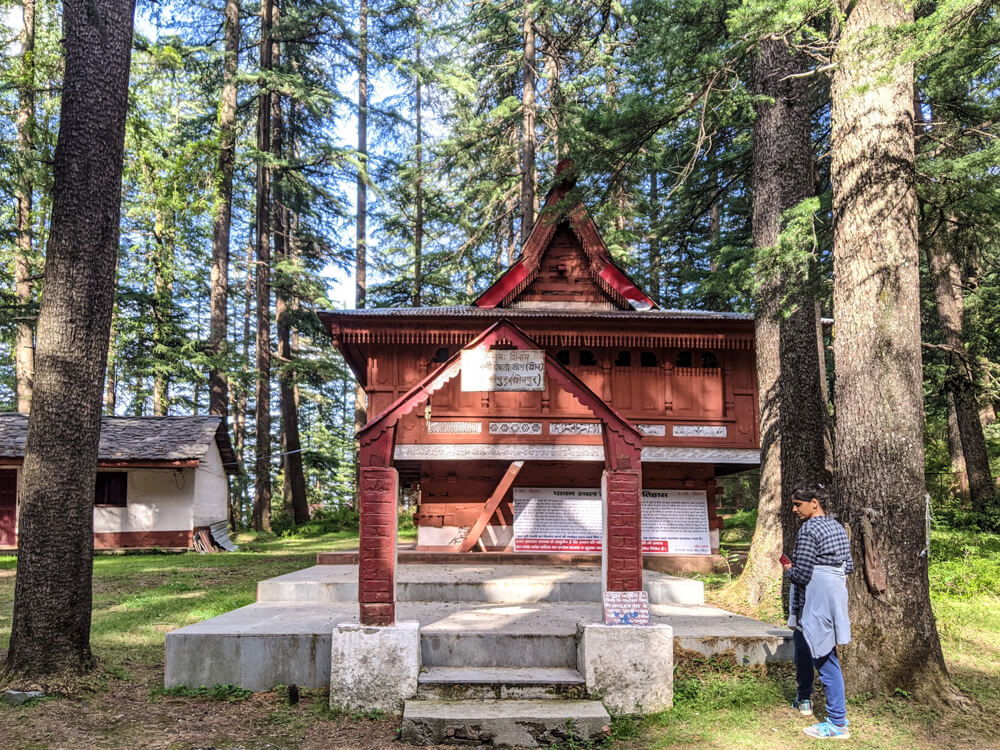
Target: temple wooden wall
[(668, 387)]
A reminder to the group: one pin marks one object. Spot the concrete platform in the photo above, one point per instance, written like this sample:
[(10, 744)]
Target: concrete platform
[(472, 583), (508, 723), (268, 644)]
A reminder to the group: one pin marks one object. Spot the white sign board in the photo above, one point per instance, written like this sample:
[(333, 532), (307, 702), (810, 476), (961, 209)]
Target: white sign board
[(566, 519), (626, 608), (675, 521), (503, 370)]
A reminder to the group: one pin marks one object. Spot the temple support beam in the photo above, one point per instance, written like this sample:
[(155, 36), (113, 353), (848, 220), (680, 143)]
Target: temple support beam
[(491, 506)]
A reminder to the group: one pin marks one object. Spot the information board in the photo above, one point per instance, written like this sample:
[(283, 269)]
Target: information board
[(549, 519), (503, 370), (557, 520)]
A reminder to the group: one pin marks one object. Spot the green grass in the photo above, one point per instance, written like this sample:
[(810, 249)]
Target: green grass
[(139, 598)]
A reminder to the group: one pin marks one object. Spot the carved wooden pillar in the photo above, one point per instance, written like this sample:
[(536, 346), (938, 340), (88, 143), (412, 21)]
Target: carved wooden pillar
[(622, 490), (621, 487), (377, 556)]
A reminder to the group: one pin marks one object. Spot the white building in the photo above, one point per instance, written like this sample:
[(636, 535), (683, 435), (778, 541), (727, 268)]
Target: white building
[(160, 480)]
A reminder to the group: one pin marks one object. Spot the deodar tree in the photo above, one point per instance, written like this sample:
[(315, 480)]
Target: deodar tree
[(879, 456), (52, 598)]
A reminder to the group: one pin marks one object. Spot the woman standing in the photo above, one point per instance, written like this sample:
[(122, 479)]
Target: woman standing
[(818, 611)]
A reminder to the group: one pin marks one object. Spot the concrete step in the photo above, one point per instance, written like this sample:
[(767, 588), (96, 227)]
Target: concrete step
[(503, 723), (522, 584), (484, 683), (446, 648)]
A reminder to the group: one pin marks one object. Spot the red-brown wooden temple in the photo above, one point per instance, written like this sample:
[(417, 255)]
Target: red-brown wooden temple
[(593, 409)]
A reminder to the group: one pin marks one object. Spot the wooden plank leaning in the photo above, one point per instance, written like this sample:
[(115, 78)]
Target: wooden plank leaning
[(491, 506)]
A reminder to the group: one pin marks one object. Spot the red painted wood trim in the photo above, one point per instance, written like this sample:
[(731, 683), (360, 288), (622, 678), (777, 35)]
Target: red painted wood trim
[(625, 287), (123, 539), (491, 505), (503, 286)]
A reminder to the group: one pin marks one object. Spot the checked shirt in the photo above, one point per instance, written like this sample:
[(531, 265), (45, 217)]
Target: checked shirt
[(821, 541)]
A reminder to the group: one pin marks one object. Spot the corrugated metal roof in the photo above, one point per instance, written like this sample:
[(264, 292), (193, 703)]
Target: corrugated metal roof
[(138, 438), (522, 313)]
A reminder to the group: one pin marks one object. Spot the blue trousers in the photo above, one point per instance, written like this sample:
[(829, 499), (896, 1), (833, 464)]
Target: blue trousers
[(829, 674)]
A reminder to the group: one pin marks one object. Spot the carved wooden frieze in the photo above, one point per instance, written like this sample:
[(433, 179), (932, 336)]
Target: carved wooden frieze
[(454, 428), (499, 452), (574, 428), (515, 428), (701, 455), (652, 430), (522, 452), (700, 430)]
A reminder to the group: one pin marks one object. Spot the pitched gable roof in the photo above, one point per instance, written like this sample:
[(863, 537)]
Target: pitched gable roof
[(562, 231), (138, 439)]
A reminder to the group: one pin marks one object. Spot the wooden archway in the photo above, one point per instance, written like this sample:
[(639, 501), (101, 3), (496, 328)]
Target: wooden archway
[(379, 481)]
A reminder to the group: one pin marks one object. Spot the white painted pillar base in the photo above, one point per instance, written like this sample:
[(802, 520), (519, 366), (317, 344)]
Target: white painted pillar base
[(374, 668), (629, 667)]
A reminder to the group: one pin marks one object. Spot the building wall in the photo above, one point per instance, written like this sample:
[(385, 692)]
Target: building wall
[(163, 506), (156, 500), (211, 489)]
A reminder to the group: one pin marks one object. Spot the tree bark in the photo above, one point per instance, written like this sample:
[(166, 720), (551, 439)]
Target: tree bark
[(960, 381), (262, 485), (960, 479), (218, 379), (528, 207), (789, 369), (52, 597), (163, 292), (293, 478), (361, 269), (879, 452), (24, 362), (418, 222)]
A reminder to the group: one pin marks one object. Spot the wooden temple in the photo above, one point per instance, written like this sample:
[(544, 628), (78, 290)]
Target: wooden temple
[(562, 412)]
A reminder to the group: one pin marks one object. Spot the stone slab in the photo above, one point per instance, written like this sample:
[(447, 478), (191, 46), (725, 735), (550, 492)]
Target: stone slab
[(255, 647), (374, 668), (484, 683), (629, 667), (472, 583), (506, 723), (448, 648)]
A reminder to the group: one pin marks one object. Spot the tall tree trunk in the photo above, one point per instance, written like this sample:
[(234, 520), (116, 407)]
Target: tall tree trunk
[(163, 288), (788, 370), (293, 478), (961, 478), (655, 262), (111, 378), (218, 380), (361, 269), (24, 360), (262, 485), (418, 223), (879, 477), (960, 381), (528, 200), (240, 400), (52, 596)]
